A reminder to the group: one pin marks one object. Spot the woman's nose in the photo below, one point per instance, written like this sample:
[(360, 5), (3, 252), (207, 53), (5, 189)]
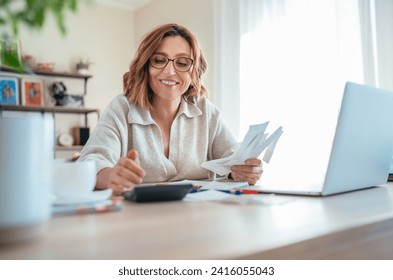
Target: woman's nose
[(170, 68)]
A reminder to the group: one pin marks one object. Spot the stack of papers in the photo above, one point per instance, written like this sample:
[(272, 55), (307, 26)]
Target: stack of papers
[(254, 143)]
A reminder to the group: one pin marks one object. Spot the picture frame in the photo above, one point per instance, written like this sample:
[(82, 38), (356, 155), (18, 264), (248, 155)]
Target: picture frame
[(32, 92), (9, 90)]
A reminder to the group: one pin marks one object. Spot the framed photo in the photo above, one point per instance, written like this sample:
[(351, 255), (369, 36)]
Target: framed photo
[(32, 92), (9, 91)]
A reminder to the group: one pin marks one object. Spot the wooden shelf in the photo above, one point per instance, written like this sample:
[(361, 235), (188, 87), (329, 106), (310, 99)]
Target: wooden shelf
[(50, 109), (71, 148), (47, 109), (46, 73)]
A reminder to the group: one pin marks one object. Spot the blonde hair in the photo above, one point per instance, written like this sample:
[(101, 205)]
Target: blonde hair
[(136, 81)]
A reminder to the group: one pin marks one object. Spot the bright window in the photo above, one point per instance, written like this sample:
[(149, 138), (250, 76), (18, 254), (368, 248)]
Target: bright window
[(295, 57)]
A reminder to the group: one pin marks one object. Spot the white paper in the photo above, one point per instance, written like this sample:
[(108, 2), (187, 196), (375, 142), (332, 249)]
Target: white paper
[(252, 146), (222, 197), (218, 185)]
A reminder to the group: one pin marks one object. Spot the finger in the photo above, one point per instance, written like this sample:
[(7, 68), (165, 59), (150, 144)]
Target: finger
[(125, 177), (250, 177), (133, 154), (120, 185), (247, 169), (132, 166), (253, 161), (251, 180), (117, 189), (241, 177), (236, 176)]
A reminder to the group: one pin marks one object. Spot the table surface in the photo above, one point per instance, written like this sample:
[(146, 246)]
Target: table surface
[(280, 227)]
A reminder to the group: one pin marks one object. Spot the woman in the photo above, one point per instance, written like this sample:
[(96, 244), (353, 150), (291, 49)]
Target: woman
[(163, 128)]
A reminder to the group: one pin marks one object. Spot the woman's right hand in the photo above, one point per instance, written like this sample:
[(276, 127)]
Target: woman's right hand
[(123, 176)]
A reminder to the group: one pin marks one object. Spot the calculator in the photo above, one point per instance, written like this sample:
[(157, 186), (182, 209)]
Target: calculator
[(157, 192)]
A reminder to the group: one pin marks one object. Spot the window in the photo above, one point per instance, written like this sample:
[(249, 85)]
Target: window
[(294, 59)]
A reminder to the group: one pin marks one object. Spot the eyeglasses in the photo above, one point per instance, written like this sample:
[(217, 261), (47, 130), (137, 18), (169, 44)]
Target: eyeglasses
[(181, 64)]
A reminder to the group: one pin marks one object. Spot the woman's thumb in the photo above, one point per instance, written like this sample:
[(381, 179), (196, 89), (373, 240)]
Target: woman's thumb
[(133, 154)]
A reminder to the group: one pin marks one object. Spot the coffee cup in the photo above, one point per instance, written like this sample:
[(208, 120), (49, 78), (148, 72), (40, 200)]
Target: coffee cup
[(73, 180), (26, 158)]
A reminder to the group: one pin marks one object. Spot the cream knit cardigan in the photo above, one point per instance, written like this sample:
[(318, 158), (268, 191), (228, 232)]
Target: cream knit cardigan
[(198, 134)]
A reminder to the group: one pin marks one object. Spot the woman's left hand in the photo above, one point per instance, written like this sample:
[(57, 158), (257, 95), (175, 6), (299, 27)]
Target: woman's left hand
[(251, 171)]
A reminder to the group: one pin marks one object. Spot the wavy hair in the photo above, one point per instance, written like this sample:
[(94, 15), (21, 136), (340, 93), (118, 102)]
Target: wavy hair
[(136, 81)]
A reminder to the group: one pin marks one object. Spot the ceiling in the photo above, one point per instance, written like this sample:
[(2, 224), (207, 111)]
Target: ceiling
[(125, 4)]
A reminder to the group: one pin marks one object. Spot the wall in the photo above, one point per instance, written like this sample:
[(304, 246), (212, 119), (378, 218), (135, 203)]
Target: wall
[(198, 16)]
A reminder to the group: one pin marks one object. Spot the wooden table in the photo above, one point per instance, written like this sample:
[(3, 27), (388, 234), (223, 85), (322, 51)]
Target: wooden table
[(355, 225)]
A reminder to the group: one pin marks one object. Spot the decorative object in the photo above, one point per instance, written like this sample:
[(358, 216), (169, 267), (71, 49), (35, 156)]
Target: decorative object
[(45, 66), (32, 92), (82, 67), (10, 53), (9, 92), (81, 135), (59, 93), (74, 101), (66, 140), (28, 61)]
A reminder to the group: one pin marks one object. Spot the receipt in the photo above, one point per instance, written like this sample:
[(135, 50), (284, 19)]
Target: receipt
[(252, 146)]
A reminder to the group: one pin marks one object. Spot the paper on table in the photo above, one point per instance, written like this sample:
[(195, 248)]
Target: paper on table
[(217, 184), (217, 196), (253, 144)]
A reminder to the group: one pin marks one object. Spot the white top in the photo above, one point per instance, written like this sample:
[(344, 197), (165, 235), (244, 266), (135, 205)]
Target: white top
[(198, 134)]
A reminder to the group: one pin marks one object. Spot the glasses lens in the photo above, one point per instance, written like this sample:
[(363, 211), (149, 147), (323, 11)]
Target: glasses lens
[(158, 61), (183, 63)]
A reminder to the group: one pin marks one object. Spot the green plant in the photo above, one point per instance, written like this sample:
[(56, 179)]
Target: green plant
[(84, 62), (32, 14)]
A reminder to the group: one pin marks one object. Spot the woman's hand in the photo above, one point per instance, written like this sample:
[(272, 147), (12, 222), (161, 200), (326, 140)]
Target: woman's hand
[(251, 171), (123, 176)]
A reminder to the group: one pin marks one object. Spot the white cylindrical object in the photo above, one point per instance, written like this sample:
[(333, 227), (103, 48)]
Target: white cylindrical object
[(26, 161)]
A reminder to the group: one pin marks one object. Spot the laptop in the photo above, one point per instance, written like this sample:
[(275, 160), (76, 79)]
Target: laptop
[(362, 147)]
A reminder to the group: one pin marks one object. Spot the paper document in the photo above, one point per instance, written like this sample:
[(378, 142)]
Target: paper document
[(252, 146), (217, 184)]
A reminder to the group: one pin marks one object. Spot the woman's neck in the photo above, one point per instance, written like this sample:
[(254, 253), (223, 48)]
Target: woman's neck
[(165, 110)]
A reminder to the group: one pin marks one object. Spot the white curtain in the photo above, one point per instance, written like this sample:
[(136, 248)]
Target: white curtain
[(295, 57)]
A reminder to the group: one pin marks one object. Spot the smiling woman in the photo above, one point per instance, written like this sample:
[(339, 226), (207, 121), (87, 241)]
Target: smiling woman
[(163, 127)]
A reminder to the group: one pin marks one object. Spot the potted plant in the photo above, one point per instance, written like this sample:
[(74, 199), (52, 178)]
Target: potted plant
[(82, 66)]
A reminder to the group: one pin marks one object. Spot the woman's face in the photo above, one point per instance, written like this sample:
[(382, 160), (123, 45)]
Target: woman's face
[(168, 83)]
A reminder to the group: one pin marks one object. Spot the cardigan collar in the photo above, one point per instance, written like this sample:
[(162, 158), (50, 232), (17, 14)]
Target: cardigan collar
[(141, 116)]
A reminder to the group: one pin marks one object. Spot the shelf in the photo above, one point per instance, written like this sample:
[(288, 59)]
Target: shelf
[(47, 109), (72, 148), (47, 73), (50, 109)]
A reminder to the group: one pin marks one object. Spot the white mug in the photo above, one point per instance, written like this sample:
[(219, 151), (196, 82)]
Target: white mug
[(26, 157), (73, 180)]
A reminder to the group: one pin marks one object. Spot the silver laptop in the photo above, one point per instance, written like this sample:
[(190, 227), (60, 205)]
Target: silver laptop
[(362, 148)]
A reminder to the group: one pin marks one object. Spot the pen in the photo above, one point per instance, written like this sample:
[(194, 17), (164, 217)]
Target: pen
[(245, 191), (232, 191)]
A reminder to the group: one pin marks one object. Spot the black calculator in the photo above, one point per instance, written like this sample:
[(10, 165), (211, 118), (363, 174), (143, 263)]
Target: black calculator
[(159, 192)]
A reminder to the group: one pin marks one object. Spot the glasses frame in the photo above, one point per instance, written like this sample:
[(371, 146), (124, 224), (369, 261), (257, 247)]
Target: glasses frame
[(173, 61)]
